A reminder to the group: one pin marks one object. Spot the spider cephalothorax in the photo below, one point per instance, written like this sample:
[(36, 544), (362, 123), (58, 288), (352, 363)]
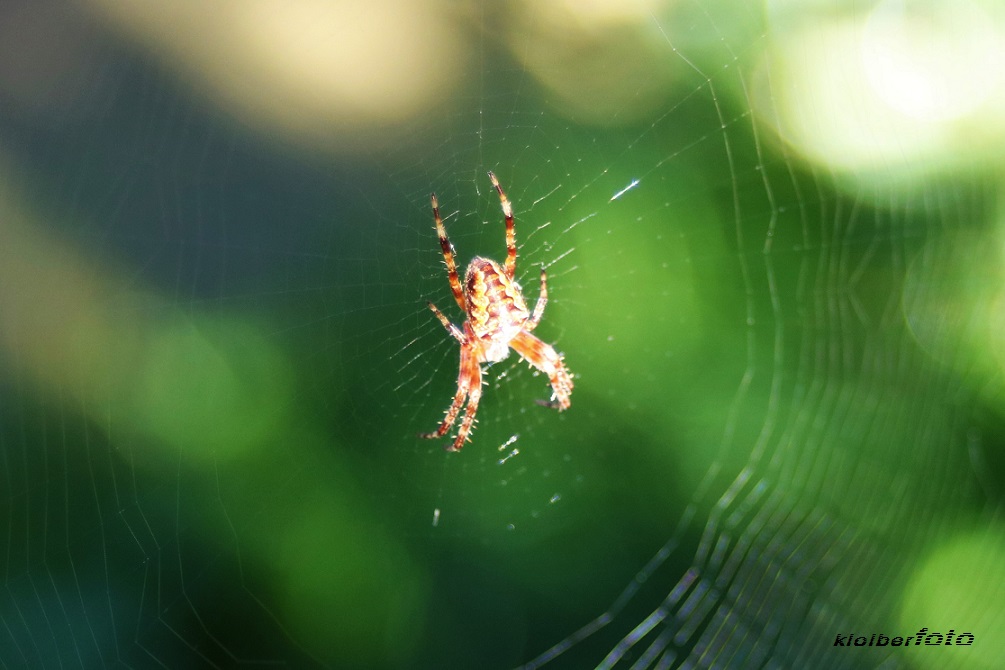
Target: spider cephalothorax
[(497, 320)]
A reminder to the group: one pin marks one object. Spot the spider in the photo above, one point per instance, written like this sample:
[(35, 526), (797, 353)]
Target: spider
[(497, 320)]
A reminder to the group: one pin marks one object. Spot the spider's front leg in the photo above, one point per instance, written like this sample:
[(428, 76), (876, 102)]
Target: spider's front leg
[(469, 385), (474, 375), (544, 357), (464, 379)]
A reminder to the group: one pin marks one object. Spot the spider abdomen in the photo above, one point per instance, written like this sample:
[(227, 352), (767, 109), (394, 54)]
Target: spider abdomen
[(497, 311)]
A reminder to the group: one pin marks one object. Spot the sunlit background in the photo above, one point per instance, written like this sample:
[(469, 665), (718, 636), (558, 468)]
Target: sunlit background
[(776, 261)]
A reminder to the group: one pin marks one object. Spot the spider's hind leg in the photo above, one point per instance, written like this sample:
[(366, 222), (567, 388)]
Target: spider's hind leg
[(507, 209), (448, 255)]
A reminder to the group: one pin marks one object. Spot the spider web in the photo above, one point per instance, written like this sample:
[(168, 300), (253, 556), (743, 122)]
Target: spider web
[(216, 354)]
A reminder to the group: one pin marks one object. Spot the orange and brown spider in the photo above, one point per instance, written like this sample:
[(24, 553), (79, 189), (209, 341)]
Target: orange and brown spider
[(497, 320)]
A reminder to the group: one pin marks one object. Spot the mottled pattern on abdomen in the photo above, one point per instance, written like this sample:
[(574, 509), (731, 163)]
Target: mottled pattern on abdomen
[(497, 310)]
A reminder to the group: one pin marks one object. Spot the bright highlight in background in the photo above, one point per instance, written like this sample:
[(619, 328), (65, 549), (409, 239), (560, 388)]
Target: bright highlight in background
[(900, 92), (935, 65), (318, 73), (960, 586), (215, 389), (603, 62)]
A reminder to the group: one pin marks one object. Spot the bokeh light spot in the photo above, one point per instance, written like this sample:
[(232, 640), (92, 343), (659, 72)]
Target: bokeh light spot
[(960, 586), (214, 389)]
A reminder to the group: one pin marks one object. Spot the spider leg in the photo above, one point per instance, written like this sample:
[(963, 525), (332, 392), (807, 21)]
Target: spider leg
[(451, 328), (542, 300), (507, 209), (474, 395), (448, 256), (464, 379), (543, 357)]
